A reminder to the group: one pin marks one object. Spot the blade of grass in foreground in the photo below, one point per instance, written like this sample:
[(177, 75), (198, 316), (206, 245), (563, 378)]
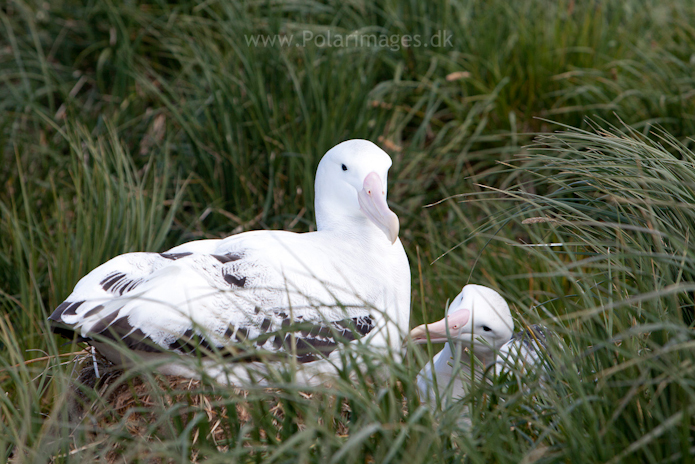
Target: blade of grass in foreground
[(617, 285)]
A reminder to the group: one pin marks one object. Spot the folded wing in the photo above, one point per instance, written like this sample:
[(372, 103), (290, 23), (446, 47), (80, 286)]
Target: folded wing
[(197, 303)]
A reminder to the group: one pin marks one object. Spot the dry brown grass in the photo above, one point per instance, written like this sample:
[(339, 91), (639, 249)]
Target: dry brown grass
[(114, 402)]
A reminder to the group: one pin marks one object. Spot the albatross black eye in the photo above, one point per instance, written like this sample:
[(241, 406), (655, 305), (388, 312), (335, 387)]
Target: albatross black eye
[(487, 329), (344, 168)]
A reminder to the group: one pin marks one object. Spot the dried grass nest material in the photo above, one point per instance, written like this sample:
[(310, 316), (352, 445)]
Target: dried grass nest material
[(157, 407)]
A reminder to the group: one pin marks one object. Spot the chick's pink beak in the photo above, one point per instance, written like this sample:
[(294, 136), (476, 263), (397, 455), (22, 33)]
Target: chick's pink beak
[(440, 331)]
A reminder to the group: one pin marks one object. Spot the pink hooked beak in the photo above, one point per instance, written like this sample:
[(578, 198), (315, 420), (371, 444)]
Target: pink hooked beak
[(372, 200), (441, 331)]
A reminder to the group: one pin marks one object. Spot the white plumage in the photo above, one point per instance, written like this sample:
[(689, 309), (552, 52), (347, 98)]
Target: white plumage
[(477, 329), (276, 291)]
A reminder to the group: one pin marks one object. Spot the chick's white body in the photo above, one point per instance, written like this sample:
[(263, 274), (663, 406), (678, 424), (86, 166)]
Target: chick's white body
[(482, 326), (478, 331)]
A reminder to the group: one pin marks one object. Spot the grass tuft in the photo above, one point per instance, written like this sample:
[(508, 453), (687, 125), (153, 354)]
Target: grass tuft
[(139, 126)]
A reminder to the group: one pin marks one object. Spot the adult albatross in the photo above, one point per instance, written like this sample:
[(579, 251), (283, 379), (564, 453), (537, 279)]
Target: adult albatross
[(478, 329), (291, 295)]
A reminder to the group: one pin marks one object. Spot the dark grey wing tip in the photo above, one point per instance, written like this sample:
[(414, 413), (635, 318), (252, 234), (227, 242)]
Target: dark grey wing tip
[(66, 331), (66, 308), (119, 330), (103, 323), (57, 325), (55, 316)]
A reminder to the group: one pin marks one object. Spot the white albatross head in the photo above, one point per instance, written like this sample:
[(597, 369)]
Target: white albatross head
[(478, 318), (351, 188)]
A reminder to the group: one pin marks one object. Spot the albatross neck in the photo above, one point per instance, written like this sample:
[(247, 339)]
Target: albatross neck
[(358, 229)]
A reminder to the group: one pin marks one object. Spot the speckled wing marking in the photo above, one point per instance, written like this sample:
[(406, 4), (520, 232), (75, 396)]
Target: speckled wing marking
[(526, 349), (311, 341), (307, 341), (535, 335), (119, 283), (240, 322), (105, 297)]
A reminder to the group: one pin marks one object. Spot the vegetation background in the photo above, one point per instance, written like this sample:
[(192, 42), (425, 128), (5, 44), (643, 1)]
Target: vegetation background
[(129, 126)]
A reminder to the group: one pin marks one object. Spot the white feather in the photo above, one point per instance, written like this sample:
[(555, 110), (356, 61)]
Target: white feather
[(474, 351), (255, 282)]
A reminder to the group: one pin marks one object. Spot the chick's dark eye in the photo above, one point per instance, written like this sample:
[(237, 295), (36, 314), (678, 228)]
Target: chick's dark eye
[(344, 168), (487, 329)]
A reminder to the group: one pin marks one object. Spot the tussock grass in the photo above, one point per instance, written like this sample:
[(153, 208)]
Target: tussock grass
[(612, 276), (136, 126)]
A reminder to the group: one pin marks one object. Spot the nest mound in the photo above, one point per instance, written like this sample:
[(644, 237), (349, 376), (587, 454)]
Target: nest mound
[(114, 407)]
